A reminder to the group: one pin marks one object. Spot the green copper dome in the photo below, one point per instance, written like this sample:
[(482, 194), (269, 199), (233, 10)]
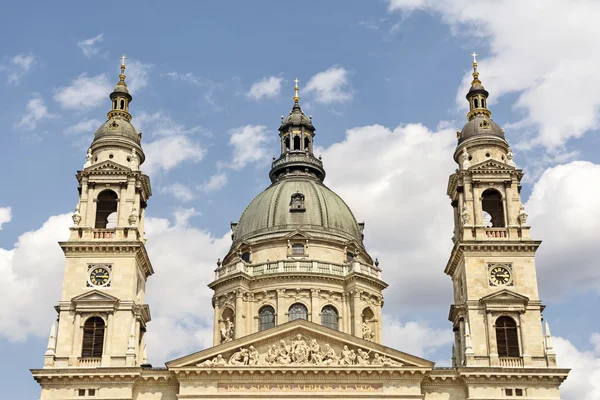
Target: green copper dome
[(297, 203)]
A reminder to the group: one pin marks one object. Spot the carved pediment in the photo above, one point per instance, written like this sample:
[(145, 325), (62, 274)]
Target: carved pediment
[(299, 344), (491, 165), (107, 166), (94, 300), (298, 234), (505, 298)]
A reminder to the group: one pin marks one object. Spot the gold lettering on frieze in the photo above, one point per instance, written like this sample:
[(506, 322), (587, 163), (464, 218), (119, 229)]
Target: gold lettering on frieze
[(300, 388)]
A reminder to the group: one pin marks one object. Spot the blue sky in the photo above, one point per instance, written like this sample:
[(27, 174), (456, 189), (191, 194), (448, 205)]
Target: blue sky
[(385, 83)]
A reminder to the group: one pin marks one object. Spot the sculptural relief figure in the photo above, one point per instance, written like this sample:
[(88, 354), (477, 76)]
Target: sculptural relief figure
[(253, 356), (133, 216), (272, 355), (284, 356), (367, 332), (362, 357), (522, 217), (227, 331), (76, 215), (377, 360), (345, 356), (134, 160), (466, 164), (299, 350), (316, 355), (465, 214), (239, 357), (330, 358)]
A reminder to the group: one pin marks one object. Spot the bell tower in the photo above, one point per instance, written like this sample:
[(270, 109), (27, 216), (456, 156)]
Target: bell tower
[(497, 312), (102, 316)]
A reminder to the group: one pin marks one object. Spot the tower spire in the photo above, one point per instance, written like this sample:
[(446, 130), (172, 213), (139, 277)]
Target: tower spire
[(477, 94), (296, 97), (120, 96)]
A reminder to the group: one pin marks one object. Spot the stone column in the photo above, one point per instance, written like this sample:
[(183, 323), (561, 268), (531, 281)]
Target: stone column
[(461, 332), (522, 327), (280, 299), (314, 308), (239, 322), (216, 330), (106, 356), (492, 344), (75, 351), (356, 313)]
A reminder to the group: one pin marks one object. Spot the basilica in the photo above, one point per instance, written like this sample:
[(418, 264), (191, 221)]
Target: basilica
[(297, 298)]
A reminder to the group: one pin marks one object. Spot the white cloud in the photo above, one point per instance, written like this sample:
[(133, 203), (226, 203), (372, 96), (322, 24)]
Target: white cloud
[(162, 125), (564, 213), (265, 88), (583, 382), (179, 191), (32, 272), (84, 92), (330, 86), (17, 67), (187, 77), (36, 112), (5, 216), (548, 69), (137, 75), (415, 337), (404, 172), (214, 183), (248, 145), (170, 151), (87, 126), (90, 46)]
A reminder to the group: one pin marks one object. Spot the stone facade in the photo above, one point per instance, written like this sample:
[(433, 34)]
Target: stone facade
[(298, 299)]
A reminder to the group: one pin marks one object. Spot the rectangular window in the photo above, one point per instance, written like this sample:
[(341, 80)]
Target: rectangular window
[(91, 392), (518, 392), (297, 249), (508, 392)]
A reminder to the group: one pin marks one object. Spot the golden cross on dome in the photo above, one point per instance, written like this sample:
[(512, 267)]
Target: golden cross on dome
[(296, 97), (123, 58), (296, 81), (474, 57)]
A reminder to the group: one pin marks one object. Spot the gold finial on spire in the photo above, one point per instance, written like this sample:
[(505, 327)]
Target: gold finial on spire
[(475, 72), (122, 74), (296, 97)]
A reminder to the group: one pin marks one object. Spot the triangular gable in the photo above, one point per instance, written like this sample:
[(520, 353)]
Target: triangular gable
[(107, 166), (298, 334), (505, 298), (94, 300), (298, 234), (489, 165)]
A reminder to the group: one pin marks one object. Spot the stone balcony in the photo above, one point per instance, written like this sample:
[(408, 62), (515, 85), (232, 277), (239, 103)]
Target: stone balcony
[(119, 233), (512, 233), (511, 362), (297, 266), (89, 362)]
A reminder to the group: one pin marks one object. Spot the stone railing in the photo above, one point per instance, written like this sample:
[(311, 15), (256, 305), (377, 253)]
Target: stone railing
[(496, 233), (297, 266), (511, 362), (297, 156), (89, 362), (118, 233)]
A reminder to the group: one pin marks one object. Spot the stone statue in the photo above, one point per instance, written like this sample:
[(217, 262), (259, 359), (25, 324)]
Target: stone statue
[(134, 160), (133, 217), (88, 159), (299, 350), (240, 357), (522, 217), (466, 218), (465, 159), (316, 355), (509, 158), (377, 360), (76, 215), (367, 332), (362, 357), (272, 355), (330, 358), (227, 331), (284, 356), (345, 356)]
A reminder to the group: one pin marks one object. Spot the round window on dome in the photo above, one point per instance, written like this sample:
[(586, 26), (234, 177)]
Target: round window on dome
[(111, 156)]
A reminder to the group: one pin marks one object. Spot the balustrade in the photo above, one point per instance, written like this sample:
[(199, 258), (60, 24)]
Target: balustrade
[(511, 362), (89, 362), (291, 266)]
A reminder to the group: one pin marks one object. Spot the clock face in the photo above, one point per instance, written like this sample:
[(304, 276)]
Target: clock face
[(99, 276), (500, 276)]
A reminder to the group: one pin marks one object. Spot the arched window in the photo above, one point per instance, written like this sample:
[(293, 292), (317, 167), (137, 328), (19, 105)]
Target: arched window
[(329, 317), (287, 144), (297, 311), (507, 337), (115, 105), (483, 103), (266, 318), (93, 337), (306, 143), (296, 142), (491, 203), (107, 204), (122, 104), (475, 103)]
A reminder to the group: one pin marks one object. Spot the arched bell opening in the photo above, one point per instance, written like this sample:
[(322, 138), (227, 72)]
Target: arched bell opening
[(106, 210)]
